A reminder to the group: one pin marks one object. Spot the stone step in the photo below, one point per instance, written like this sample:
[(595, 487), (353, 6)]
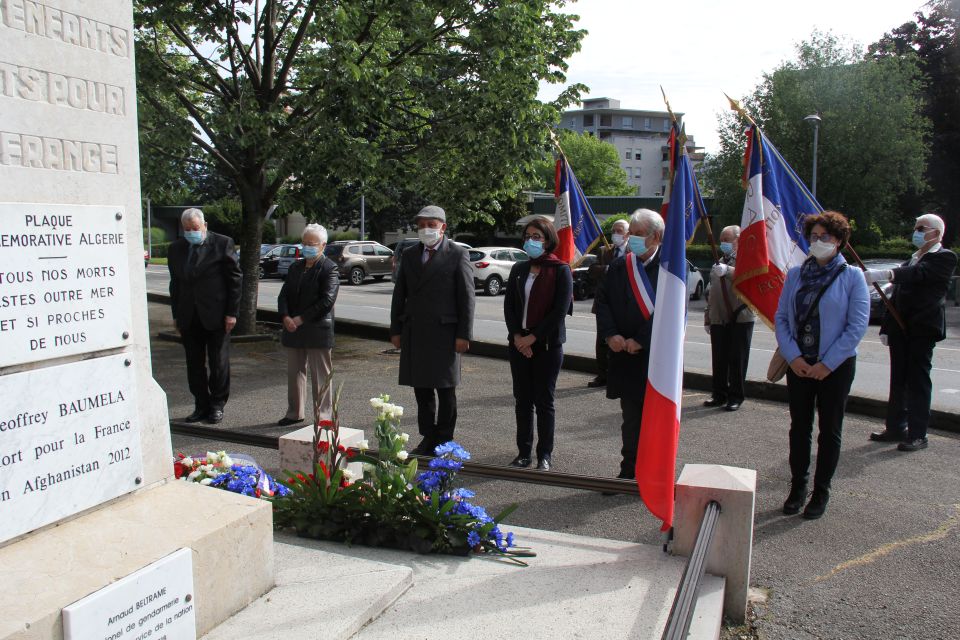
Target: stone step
[(576, 587)]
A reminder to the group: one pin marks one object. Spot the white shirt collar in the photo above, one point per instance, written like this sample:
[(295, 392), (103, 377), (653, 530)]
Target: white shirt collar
[(917, 255), (648, 260)]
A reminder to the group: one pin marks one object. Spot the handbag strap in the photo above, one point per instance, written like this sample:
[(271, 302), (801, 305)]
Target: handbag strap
[(816, 300)]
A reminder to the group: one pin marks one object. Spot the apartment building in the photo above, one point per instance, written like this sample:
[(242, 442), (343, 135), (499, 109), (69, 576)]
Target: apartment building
[(640, 136)]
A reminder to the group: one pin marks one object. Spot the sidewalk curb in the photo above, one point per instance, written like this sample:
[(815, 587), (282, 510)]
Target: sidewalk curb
[(871, 407)]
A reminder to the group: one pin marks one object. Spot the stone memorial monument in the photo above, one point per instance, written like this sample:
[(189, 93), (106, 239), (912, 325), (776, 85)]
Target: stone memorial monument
[(96, 540)]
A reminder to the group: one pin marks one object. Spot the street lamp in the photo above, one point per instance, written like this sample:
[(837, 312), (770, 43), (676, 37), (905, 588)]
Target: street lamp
[(814, 119)]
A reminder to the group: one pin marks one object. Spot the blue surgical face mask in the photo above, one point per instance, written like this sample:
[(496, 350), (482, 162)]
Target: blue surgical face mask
[(637, 244), (310, 252), (534, 248), (918, 239), (726, 248), (193, 237)]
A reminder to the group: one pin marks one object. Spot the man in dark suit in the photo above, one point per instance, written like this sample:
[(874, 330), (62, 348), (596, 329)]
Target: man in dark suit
[(431, 322), (205, 298), (626, 327), (619, 230), (919, 296)]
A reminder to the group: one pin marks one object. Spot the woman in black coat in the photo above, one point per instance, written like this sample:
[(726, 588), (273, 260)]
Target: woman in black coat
[(306, 304), (539, 295)]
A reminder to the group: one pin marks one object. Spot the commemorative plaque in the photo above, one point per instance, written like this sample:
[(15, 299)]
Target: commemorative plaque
[(69, 440), (64, 281)]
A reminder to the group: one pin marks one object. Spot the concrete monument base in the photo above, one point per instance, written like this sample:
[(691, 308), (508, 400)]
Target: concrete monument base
[(231, 537)]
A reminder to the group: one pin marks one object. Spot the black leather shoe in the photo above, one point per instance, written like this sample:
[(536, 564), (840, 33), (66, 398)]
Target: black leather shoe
[(714, 402), (817, 505), (425, 448), (732, 406), (520, 462), (597, 382), (543, 464), (286, 422), (888, 436), (215, 416), (626, 475), (196, 416), (913, 445), (794, 501)]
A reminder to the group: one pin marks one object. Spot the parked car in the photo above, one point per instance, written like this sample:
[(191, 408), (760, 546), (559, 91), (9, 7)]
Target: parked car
[(584, 287), (402, 245), (877, 307), (358, 259), (583, 284), (695, 284), (491, 266), (276, 262)]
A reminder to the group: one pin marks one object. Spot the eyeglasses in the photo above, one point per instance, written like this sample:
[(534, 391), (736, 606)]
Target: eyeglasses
[(823, 237), (922, 228), (533, 236)]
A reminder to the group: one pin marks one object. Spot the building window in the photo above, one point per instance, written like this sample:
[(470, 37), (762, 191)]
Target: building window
[(636, 172), (666, 156), (665, 173), (666, 124), (646, 124), (604, 135), (605, 120), (627, 122), (628, 154), (637, 157), (588, 120)]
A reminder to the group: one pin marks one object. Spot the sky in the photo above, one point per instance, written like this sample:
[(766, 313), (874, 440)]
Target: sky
[(717, 46)]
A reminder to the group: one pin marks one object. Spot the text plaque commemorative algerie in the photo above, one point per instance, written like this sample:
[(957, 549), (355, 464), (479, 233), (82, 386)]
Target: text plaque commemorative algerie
[(64, 281), (156, 602), (69, 440)]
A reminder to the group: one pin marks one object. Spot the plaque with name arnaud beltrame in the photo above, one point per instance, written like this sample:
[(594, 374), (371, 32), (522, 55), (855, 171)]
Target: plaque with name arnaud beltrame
[(69, 440), (64, 281), (155, 602)]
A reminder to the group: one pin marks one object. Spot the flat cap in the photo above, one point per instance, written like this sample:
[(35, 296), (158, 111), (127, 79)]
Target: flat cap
[(432, 212)]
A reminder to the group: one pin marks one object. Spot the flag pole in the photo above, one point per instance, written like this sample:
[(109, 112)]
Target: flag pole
[(580, 194), (734, 105), (886, 301)]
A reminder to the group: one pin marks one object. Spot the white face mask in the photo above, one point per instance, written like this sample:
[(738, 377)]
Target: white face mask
[(618, 239), (822, 250), (428, 236)]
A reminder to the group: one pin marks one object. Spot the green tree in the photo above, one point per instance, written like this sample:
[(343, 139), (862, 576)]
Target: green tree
[(873, 135), (595, 162), (934, 40), (301, 101)]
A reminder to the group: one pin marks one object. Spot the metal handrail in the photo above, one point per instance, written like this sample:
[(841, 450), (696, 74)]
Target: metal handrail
[(478, 469), (684, 604)]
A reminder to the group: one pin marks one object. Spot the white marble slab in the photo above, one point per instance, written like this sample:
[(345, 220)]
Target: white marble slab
[(64, 281), (155, 602), (69, 440)]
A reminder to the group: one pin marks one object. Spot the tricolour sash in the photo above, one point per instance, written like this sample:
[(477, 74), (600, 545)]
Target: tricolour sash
[(643, 291)]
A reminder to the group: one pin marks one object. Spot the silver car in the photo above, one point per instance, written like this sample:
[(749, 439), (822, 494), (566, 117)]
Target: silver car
[(491, 266)]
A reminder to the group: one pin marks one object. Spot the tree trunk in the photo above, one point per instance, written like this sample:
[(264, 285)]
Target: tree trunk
[(251, 229)]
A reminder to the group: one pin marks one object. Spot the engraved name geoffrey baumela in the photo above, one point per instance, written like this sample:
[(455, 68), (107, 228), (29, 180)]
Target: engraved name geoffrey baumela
[(38, 449)]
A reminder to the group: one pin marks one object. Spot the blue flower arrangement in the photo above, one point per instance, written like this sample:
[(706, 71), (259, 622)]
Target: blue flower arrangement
[(392, 505)]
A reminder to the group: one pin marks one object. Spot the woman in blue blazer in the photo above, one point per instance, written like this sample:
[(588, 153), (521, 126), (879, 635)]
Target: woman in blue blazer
[(821, 318)]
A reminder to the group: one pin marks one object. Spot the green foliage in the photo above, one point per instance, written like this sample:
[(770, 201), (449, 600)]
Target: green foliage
[(269, 235), (336, 236), (872, 142), (156, 235), (934, 41), (595, 162), (309, 104), (224, 216), (159, 250)]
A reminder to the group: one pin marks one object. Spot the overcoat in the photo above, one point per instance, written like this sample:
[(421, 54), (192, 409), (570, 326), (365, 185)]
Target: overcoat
[(920, 294), (432, 306), (209, 285), (310, 294), (619, 314)]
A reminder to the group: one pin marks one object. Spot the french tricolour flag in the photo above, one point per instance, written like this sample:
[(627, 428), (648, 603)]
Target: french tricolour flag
[(577, 227), (771, 240), (660, 425)]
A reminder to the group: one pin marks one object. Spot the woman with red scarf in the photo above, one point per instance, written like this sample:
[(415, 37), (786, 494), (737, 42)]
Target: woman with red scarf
[(538, 297)]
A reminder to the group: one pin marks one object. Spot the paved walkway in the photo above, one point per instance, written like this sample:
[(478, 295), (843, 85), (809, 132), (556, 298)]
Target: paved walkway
[(880, 564)]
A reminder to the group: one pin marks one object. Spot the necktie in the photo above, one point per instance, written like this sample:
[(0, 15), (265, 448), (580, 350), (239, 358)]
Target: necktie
[(428, 255)]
